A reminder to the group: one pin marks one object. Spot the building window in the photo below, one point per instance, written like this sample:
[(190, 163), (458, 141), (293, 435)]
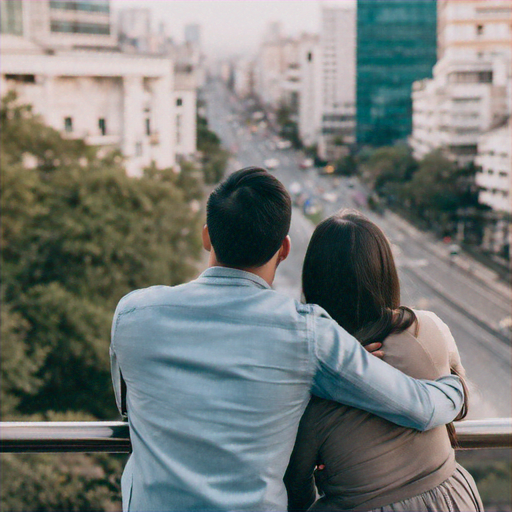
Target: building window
[(503, 174), (78, 27), (102, 126), (179, 102), (11, 17), (90, 5), (479, 29), (490, 171), (138, 149), (68, 124), (310, 56), (148, 126), (26, 79), (178, 129)]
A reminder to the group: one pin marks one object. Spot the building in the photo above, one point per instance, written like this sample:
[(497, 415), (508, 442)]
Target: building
[(473, 28), (193, 34), (494, 161), (108, 98), (134, 29), (338, 77), (60, 24), (396, 45), (269, 67), (310, 100), (469, 93), (186, 60)]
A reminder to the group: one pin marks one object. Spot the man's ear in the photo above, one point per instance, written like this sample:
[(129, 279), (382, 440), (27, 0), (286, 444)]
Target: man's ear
[(285, 249), (207, 244)]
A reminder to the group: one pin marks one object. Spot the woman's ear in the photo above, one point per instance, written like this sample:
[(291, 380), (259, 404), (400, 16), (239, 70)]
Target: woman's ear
[(207, 244)]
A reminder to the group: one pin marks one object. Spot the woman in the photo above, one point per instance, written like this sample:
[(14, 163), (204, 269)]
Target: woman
[(364, 462)]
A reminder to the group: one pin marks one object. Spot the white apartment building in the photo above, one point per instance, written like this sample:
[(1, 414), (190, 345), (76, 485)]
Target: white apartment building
[(60, 23), (243, 77), (310, 100), (185, 100), (142, 104), (338, 88), (470, 89), (494, 160), (269, 72), (134, 29), (111, 100)]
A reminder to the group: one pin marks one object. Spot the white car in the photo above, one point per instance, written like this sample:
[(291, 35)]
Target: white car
[(283, 144), (271, 163)]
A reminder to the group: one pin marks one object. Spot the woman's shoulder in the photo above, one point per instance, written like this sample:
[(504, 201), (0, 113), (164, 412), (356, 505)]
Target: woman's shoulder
[(422, 350)]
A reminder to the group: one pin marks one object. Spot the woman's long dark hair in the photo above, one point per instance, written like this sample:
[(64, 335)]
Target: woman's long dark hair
[(349, 270)]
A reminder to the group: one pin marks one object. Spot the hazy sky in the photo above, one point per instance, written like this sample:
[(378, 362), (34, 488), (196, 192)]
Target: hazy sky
[(231, 26)]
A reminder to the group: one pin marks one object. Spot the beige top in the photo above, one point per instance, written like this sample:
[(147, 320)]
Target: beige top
[(370, 462)]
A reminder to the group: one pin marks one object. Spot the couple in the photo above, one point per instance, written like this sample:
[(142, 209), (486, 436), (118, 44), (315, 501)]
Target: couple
[(216, 374)]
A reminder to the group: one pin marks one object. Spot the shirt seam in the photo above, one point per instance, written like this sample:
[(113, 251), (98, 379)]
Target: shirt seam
[(231, 319)]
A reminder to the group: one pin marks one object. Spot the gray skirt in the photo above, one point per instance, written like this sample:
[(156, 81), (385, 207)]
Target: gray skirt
[(456, 494)]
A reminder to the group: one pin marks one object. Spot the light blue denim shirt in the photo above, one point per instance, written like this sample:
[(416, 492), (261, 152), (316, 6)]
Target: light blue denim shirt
[(218, 373)]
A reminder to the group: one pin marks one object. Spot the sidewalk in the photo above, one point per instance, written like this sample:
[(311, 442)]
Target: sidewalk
[(465, 262)]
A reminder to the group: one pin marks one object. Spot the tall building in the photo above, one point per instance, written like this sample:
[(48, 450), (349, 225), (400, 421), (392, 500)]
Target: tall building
[(473, 28), (193, 34), (310, 101), (494, 161), (396, 45), (59, 23), (338, 74), (470, 90), (134, 28)]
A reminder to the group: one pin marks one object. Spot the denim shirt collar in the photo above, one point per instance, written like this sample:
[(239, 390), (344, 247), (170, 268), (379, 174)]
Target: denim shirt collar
[(245, 278)]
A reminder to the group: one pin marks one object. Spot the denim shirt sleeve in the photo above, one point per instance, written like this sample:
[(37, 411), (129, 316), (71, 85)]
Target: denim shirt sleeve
[(345, 372), (114, 365)]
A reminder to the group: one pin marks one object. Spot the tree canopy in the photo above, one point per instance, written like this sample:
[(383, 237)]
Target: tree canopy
[(76, 235)]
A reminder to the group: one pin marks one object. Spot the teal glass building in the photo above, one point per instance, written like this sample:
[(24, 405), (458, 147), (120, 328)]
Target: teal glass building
[(396, 45)]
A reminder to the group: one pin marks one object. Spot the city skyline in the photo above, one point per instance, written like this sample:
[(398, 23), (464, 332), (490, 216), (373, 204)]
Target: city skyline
[(232, 27)]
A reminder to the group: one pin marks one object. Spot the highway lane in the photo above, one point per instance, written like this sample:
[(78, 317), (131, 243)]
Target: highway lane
[(470, 308)]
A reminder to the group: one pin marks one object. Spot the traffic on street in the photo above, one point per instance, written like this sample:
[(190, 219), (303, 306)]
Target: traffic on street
[(468, 297)]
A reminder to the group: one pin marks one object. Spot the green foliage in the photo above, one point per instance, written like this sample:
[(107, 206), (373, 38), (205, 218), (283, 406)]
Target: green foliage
[(214, 159), (346, 166), (388, 164), (289, 129), (76, 235)]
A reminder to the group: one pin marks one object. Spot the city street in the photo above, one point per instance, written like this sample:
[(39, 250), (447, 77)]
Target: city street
[(464, 295)]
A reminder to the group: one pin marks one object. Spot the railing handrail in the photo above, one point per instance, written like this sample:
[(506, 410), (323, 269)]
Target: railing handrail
[(114, 436)]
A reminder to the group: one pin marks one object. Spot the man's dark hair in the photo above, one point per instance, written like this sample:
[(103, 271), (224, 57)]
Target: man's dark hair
[(248, 217)]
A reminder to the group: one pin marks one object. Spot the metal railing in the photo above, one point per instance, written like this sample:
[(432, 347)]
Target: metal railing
[(114, 436)]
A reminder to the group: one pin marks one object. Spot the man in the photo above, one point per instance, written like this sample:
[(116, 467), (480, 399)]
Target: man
[(218, 371)]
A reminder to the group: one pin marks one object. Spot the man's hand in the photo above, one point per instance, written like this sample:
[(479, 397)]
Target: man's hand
[(373, 348)]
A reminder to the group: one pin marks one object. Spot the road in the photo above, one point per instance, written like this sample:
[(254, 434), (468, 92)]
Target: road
[(470, 303)]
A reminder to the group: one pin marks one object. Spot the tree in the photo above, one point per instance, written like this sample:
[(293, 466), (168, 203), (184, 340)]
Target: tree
[(388, 164), (214, 158), (76, 235)]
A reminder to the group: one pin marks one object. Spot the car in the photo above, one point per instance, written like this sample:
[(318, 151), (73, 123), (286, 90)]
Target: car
[(283, 144), (306, 163), (271, 163)]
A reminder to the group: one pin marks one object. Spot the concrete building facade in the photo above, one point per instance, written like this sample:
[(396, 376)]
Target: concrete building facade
[(470, 89), (310, 100), (59, 23), (120, 100), (338, 76), (494, 161)]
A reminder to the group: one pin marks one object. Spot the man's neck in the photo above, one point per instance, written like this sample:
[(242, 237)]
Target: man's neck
[(267, 272)]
